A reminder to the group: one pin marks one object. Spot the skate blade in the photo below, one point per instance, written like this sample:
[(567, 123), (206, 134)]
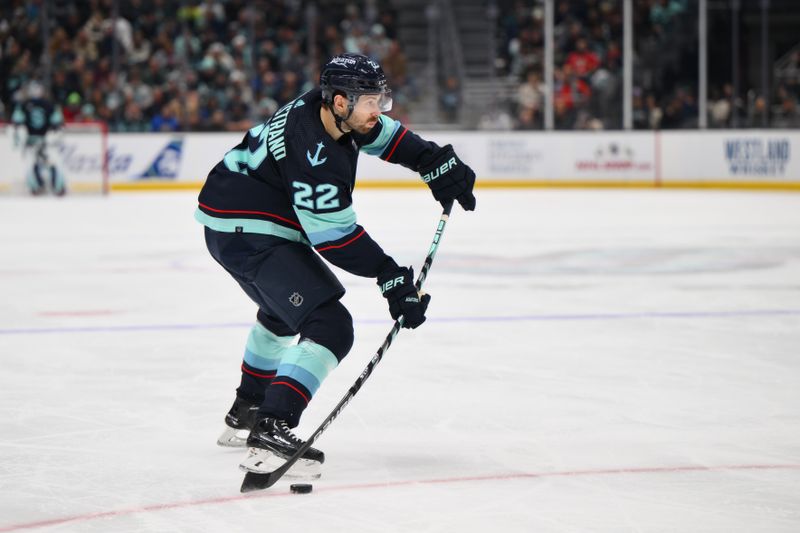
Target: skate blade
[(261, 461), (233, 438)]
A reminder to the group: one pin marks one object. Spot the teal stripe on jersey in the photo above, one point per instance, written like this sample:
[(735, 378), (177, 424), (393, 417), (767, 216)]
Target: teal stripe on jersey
[(326, 227), (248, 225), (308, 363), (264, 349), (330, 235), (388, 129)]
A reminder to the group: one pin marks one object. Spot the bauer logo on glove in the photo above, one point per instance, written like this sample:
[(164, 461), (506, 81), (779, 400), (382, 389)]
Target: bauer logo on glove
[(389, 285), (449, 178), (397, 286), (430, 176)]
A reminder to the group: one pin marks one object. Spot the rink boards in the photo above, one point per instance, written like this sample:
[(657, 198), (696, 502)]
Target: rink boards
[(760, 159)]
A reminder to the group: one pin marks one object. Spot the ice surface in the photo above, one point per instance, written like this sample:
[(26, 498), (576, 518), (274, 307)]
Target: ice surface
[(593, 361)]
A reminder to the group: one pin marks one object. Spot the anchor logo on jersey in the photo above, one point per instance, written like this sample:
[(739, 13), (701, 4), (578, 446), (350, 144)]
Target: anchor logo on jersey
[(316, 161)]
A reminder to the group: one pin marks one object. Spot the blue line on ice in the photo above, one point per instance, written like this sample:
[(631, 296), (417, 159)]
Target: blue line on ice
[(510, 318)]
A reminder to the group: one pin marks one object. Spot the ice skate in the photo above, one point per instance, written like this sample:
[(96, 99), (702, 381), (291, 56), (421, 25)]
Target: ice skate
[(239, 421), (271, 443)]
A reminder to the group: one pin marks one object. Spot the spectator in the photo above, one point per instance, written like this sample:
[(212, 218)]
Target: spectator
[(790, 76), (140, 49), (496, 119), (187, 47), (571, 89), (606, 85), (720, 107), (758, 113), (564, 115), (167, 50), (167, 118), (663, 12), (133, 118), (395, 63), (527, 52), (788, 115), (527, 119), (640, 119), (450, 100), (85, 48), (87, 114), (378, 44), (673, 114), (119, 29), (654, 113), (583, 61), (135, 89), (530, 94), (72, 108)]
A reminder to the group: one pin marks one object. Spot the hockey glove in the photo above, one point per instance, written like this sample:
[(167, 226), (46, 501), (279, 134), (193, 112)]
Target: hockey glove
[(449, 178), (397, 286)]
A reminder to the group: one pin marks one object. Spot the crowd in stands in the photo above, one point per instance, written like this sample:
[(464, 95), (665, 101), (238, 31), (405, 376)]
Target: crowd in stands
[(587, 63), (211, 65), (588, 69), (199, 65)]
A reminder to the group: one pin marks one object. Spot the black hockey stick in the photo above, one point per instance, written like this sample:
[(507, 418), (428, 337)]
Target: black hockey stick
[(258, 481)]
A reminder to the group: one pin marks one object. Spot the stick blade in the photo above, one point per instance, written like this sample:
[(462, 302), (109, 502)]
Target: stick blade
[(254, 481)]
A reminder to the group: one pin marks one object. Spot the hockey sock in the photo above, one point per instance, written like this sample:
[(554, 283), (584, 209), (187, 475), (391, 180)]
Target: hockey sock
[(35, 182), (57, 181), (301, 371), (262, 356)]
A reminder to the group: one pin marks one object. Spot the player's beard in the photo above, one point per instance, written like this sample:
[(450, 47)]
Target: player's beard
[(362, 127)]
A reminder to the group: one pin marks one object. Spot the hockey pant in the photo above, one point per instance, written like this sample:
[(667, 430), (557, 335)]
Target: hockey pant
[(297, 295)]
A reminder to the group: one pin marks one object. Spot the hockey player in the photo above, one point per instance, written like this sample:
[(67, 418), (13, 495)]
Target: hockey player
[(41, 120), (280, 195)]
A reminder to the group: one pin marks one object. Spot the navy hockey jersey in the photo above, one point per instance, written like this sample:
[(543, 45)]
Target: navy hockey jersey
[(38, 115), (290, 179)]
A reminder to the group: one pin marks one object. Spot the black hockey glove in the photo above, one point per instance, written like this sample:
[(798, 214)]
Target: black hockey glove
[(449, 178), (397, 286)]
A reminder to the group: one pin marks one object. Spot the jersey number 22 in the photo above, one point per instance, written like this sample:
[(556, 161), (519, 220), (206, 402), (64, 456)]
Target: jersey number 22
[(321, 197)]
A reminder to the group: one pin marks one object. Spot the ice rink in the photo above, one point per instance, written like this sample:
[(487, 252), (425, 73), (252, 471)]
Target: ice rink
[(594, 360)]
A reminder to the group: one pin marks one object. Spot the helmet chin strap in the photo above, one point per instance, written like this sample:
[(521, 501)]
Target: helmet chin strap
[(339, 119), (351, 104)]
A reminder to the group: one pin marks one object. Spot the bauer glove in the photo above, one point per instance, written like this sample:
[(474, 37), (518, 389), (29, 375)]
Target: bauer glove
[(449, 178), (397, 286)]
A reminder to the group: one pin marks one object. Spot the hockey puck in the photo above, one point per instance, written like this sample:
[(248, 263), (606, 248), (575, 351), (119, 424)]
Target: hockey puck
[(301, 488)]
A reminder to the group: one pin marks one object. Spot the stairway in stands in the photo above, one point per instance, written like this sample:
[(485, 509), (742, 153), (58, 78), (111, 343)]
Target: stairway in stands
[(473, 49), (413, 33), (481, 89)]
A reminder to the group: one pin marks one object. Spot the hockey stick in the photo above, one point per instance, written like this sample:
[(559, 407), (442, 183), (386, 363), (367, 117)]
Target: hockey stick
[(258, 481)]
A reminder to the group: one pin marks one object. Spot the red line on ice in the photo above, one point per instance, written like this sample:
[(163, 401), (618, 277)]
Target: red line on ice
[(392, 484)]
